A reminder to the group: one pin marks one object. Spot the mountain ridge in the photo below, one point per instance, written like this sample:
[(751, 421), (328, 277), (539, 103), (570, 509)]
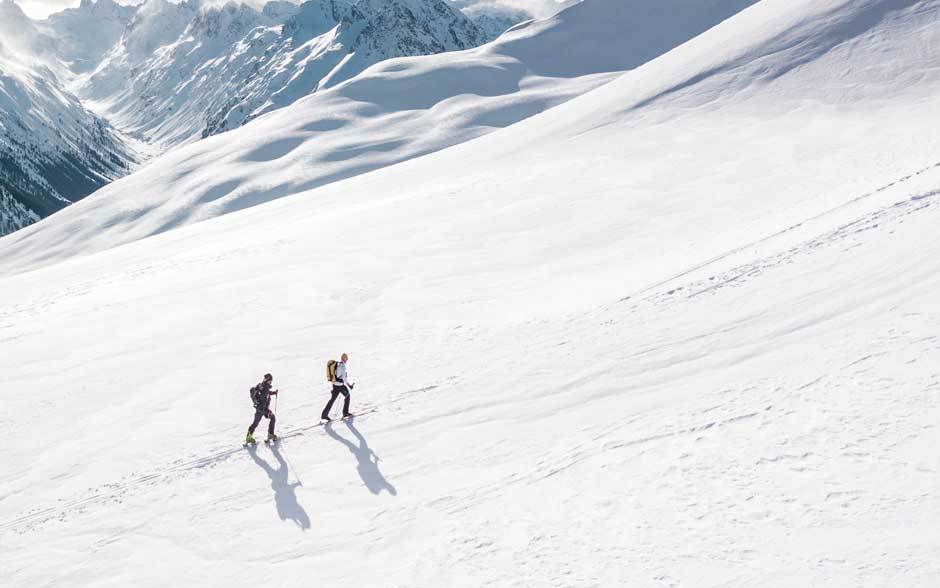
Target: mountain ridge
[(183, 72), (161, 74)]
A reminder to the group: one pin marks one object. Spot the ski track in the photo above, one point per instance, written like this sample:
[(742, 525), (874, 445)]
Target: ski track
[(754, 244), (869, 222)]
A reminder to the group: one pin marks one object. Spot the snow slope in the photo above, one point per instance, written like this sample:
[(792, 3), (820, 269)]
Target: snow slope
[(396, 110), (682, 330), (86, 33)]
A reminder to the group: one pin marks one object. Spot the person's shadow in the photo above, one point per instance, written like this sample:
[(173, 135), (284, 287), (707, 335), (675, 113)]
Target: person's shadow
[(367, 467), (284, 492)]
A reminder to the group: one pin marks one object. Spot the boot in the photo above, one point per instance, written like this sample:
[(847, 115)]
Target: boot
[(249, 439)]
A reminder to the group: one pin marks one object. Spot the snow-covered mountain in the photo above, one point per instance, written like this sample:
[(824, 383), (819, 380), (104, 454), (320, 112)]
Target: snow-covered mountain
[(169, 73), (397, 110), (53, 151), (681, 330), (183, 71), (86, 33), (494, 20)]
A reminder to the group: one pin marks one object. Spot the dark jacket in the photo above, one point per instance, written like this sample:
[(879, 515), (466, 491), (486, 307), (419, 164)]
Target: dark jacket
[(261, 396)]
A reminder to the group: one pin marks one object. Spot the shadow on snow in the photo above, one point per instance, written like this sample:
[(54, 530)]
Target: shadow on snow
[(285, 496), (367, 467)]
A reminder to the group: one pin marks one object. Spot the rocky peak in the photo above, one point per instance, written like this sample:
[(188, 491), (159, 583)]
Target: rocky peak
[(316, 17), (157, 23), (279, 10), (99, 6), (415, 27), (230, 22)]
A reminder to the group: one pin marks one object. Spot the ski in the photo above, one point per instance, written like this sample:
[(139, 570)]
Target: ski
[(342, 418)]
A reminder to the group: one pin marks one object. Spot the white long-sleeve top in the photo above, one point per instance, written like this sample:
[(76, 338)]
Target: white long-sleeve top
[(341, 374)]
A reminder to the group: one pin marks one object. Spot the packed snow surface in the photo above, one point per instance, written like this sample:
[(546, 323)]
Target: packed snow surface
[(681, 330)]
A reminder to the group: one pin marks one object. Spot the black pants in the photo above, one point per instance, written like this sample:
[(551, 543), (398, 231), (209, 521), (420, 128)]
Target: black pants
[(259, 413), (337, 390)]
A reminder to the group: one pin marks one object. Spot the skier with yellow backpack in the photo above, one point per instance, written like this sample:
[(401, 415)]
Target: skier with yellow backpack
[(338, 376)]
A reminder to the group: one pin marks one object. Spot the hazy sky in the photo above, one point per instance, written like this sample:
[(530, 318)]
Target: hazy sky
[(43, 8), (537, 8)]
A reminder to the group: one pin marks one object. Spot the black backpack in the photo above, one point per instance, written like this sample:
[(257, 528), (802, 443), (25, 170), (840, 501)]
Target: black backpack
[(255, 395)]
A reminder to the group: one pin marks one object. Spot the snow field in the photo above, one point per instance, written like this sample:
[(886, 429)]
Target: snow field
[(645, 338)]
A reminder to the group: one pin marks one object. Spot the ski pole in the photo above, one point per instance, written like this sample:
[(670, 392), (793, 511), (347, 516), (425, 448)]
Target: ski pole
[(291, 467)]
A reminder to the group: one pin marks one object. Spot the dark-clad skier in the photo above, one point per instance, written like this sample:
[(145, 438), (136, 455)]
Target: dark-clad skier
[(261, 397)]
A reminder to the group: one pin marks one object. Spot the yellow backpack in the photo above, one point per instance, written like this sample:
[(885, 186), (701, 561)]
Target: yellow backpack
[(331, 370)]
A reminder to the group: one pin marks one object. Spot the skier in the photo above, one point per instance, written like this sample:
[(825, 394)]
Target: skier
[(339, 378), (261, 398)]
